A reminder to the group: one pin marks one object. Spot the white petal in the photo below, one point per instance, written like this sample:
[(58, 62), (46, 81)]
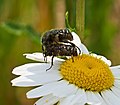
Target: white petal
[(115, 67), (30, 68), (116, 71), (35, 68), (110, 98), (106, 60), (67, 100), (45, 89), (65, 91), (77, 97), (92, 99), (79, 104), (77, 42), (96, 104), (84, 49), (81, 97), (100, 98), (37, 79), (76, 39), (117, 83), (19, 81), (35, 56), (116, 91), (47, 100), (40, 57)]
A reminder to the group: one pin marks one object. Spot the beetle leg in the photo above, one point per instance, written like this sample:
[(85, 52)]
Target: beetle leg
[(51, 64)]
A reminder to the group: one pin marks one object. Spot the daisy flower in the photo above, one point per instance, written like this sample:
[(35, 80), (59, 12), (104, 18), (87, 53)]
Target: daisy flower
[(86, 79)]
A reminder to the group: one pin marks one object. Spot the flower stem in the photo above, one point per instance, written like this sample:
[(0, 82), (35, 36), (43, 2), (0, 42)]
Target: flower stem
[(80, 16)]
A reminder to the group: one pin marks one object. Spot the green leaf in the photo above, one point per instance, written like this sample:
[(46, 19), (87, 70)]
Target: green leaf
[(18, 29), (33, 34), (67, 23), (13, 28)]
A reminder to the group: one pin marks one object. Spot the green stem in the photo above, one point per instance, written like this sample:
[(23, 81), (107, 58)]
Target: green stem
[(80, 16)]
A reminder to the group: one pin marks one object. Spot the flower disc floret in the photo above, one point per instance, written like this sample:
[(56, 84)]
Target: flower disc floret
[(87, 72)]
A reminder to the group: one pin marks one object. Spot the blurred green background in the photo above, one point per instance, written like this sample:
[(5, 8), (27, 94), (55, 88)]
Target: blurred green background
[(23, 21)]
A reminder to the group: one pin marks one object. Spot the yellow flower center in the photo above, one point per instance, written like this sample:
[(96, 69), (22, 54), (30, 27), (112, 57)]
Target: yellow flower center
[(87, 72)]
